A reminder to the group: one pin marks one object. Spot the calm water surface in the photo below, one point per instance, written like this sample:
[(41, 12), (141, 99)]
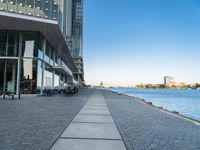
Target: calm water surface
[(186, 102)]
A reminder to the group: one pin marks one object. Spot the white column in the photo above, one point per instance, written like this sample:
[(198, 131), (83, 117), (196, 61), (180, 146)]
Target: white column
[(19, 64), (43, 65), (52, 50)]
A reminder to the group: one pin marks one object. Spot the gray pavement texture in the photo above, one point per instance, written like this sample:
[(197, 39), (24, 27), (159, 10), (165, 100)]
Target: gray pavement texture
[(85, 134), (145, 127), (34, 123)]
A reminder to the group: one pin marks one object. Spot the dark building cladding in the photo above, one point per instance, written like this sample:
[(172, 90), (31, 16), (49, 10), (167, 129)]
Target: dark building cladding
[(39, 45)]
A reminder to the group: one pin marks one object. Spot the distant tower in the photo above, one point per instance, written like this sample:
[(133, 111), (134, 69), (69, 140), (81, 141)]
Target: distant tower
[(168, 80), (101, 84)]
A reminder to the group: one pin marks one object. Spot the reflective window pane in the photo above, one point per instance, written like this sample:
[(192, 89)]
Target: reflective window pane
[(39, 76), (3, 5), (21, 7), (30, 7), (47, 53), (12, 7), (8, 75), (28, 81), (2, 68), (48, 77), (3, 43), (40, 47), (56, 81), (30, 44), (13, 44)]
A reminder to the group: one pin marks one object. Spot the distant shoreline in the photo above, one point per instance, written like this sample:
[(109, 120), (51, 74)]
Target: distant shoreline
[(153, 88)]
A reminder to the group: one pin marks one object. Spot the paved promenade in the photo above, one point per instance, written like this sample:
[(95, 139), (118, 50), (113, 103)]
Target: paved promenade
[(93, 128), (92, 119), (34, 123), (144, 127)]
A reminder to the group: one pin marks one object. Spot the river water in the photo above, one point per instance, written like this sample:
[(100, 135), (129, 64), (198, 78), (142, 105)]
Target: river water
[(186, 102)]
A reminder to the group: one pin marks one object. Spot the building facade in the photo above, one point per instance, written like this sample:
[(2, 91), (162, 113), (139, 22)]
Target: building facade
[(35, 52), (168, 80), (75, 36)]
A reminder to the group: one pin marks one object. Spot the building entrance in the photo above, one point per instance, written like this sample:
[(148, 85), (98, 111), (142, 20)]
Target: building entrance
[(8, 75)]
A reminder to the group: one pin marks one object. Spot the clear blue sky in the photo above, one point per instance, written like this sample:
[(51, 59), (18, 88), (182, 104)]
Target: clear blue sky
[(127, 42)]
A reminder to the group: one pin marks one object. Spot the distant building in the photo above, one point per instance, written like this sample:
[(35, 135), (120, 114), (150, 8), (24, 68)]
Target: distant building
[(168, 80), (101, 84)]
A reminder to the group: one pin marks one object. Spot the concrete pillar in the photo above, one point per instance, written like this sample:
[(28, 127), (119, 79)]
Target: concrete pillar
[(5, 76), (54, 57), (19, 64), (13, 72), (60, 81), (53, 79), (43, 65), (5, 67)]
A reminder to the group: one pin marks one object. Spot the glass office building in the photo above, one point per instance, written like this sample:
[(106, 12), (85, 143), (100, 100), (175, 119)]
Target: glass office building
[(34, 54), (47, 9), (77, 37)]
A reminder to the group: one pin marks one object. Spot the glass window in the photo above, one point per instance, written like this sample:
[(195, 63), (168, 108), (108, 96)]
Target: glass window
[(30, 44), (39, 76), (51, 56), (55, 2), (12, 6), (13, 44), (21, 7), (2, 68), (30, 7), (47, 9), (56, 80), (21, 3), (3, 5), (40, 47), (47, 53), (30, 3), (48, 77), (39, 8), (29, 48), (3, 43), (54, 11), (39, 4), (56, 59), (28, 76), (8, 75)]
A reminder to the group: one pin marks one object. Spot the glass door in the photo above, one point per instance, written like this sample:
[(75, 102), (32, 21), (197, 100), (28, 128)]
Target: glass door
[(8, 75)]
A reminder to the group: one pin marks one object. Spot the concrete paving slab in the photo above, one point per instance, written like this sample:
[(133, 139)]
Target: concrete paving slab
[(93, 118), (95, 101), (91, 111), (95, 109), (84, 144), (95, 104), (98, 105), (92, 130)]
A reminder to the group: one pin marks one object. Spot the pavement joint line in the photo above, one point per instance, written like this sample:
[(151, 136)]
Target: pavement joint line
[(103, 139), (108, 113), (88, 108), (92, 122), (67, 126), (123, 140), (95, 114)]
